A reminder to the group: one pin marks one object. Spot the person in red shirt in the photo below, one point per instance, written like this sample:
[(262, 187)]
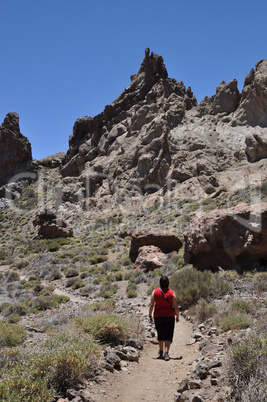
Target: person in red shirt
[(164, 302)]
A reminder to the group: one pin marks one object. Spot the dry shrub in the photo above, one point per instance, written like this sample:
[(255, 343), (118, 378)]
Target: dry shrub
[(260, 282), (13, 277), (111, 334), (247, 360), (205, 310)]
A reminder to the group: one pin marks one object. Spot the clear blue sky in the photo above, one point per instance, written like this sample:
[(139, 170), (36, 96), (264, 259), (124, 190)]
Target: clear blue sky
[(63, 59)]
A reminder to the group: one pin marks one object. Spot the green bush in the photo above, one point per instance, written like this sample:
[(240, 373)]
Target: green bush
[(13, 318), (191, 285), (234, 321), (19, 308), (131, 293), (11, 335), (97, 259), (17, 387), (13, 276), (106, 328), (42, 303), (71, 273), (119, 276), (241, 305), (107, 290), (55, 244)]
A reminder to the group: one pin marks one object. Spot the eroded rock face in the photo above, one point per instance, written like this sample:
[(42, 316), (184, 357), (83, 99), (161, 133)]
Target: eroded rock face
[(15, 149), (51, 227), (230, 238), (149, 258), (164, 240)]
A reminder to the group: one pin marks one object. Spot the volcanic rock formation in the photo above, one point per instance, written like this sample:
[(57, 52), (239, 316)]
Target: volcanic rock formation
[(51, 227), (164, 240), (154, 138), (125, 149), (15, 150), (149, 258), (229, 238)]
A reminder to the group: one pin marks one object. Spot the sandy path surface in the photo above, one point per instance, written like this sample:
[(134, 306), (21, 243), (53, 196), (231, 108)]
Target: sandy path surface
[(152, 379)]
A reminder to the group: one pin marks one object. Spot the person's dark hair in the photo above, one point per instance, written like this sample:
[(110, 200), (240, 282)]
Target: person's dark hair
[(164, 282)]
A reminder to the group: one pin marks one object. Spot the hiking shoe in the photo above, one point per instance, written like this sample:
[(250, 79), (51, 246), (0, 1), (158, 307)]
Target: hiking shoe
[(166, 356), (160, 354)]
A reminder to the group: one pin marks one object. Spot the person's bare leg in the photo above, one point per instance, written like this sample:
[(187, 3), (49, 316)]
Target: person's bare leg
[(161, 343), (167, 346)]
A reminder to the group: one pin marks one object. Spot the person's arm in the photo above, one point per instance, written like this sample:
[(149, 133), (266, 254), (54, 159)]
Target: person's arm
[(151, 306), (175, 305)]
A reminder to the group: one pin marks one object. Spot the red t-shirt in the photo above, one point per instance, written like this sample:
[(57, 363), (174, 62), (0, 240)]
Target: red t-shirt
[(163, 307)]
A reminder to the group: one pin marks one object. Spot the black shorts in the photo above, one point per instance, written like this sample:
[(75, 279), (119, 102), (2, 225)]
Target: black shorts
[(165, 328)]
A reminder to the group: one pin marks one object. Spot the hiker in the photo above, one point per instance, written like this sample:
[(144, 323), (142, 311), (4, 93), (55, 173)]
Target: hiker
[(164, 303)]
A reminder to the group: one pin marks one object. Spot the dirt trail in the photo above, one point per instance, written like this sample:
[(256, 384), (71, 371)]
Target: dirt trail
[(152, 379)]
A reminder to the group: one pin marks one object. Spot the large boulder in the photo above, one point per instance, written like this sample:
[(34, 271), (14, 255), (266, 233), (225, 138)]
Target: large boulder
[(51, 226), (234, 238), (15, 150), (256, 146), (164, 240), (149, 258)]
